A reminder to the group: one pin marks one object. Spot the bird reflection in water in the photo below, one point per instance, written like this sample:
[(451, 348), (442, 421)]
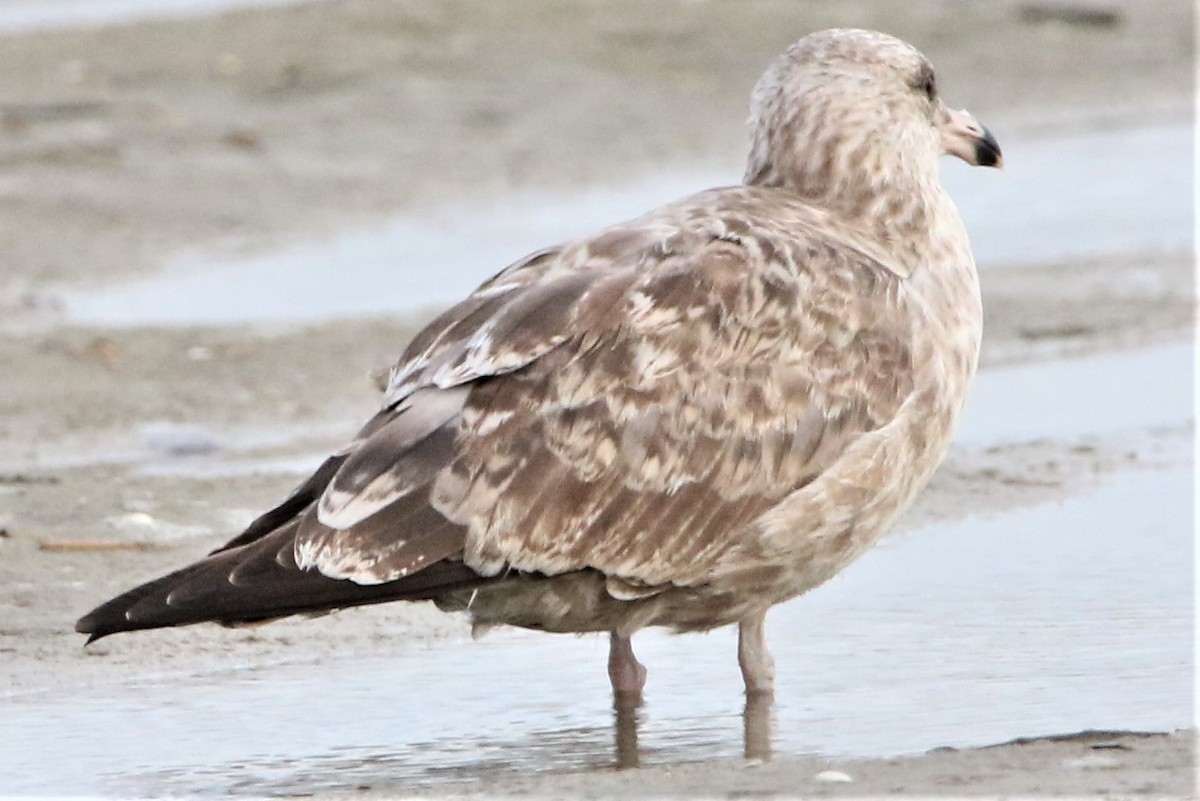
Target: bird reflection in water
[(758, 721)]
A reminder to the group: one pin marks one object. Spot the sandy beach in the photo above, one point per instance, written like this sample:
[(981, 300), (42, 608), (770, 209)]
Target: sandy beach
[(128, 450)]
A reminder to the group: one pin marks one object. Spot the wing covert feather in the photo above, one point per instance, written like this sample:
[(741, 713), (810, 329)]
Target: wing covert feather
[(732, 369), (633, 402)]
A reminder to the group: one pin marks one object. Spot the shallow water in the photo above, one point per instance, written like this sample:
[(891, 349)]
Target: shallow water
[(19, 16), (1066, 196), (1051, 619), (1110, 395)]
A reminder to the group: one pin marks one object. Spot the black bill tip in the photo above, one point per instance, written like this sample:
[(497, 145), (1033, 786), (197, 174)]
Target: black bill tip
[(987, 151)]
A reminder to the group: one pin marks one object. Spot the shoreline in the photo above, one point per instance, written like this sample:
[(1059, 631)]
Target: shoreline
[(237, 132), (125, 452)]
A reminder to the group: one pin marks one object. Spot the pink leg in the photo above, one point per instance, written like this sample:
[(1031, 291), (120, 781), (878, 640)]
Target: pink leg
[(758, 667), (628, 676)]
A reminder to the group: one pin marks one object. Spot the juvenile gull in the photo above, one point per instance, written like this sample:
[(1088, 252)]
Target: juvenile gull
[(679, 421)]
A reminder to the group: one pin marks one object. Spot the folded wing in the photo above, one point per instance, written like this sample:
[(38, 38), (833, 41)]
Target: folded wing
[(627, 404)]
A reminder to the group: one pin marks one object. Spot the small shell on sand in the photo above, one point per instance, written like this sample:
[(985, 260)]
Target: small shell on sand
[(833, 777)]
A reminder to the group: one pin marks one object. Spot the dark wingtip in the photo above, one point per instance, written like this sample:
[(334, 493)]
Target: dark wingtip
[(88, 625)]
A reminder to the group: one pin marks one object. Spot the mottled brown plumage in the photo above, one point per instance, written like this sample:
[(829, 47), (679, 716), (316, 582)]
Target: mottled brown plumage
[(679, 421)]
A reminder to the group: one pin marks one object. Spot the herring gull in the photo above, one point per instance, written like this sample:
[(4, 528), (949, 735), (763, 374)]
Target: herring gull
[(678, 421)]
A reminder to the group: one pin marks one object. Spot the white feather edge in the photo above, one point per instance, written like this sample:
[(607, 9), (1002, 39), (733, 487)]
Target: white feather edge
[(345, 564), (430, 409)]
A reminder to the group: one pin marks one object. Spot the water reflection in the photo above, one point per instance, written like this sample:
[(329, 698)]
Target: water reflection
[(758, 720), (627, 709)]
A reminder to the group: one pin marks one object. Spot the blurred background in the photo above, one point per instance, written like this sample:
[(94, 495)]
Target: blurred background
[(220, 218), (142, 135)]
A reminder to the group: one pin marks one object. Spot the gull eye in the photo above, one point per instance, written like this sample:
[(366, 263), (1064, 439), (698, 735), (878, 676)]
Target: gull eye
[(928, 84)]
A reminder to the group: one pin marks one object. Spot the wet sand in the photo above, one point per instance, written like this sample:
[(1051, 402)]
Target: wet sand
[(1089, 764), (127, 452)]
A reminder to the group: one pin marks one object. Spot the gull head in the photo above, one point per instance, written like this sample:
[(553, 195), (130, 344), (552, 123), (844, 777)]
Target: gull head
[(846, 114)]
